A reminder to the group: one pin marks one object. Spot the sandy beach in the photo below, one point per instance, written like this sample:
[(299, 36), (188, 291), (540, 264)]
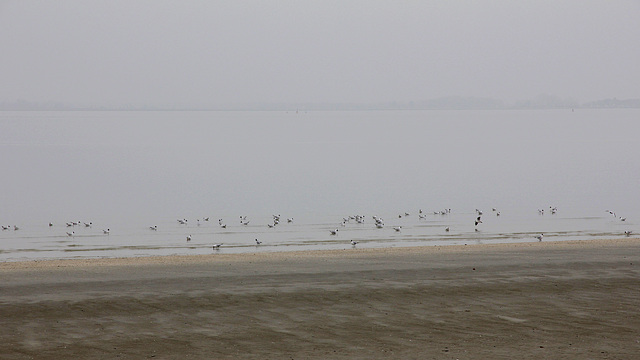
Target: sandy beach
[(565, 300)]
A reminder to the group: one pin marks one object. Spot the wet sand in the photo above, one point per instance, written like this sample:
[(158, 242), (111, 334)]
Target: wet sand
[(568, 300)]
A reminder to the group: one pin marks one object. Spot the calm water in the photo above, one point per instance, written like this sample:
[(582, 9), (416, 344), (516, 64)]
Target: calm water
[(127, 171)]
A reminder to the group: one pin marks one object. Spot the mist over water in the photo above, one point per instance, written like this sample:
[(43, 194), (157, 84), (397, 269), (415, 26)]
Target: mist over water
[(130, 170)]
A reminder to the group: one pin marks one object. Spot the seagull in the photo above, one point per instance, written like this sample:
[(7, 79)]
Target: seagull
[(70, 233), (188, 237), (333, 232), (106, 232), (216, 246), (15, 227), (354, 243), (397, 228), (88, 224), (478, 221), (539, 237), (224, 226), (627, 232), (290, 220), (5, 227), (50, 224), (258, 242), (446, 229), (623, 219), (154, 227), (270, 226)]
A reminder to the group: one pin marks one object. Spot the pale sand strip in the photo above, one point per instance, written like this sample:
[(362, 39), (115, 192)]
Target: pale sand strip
[(285, 255)]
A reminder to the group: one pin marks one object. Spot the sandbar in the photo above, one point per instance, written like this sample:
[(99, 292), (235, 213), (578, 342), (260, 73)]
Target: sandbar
[(555, 300)]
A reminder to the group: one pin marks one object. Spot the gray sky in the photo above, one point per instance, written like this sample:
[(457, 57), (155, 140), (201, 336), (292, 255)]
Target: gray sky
[(227, 52)]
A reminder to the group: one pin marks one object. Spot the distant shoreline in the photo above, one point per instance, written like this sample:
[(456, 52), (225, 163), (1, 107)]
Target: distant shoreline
[(445, 103)]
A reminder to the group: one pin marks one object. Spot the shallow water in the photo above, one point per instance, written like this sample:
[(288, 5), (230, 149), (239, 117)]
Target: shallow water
[(127, 171)]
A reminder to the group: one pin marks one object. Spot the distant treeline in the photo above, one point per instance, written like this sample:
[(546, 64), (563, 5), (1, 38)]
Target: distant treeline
[(443, 103)]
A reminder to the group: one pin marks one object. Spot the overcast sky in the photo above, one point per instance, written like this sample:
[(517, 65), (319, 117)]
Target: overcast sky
[(229, 52)]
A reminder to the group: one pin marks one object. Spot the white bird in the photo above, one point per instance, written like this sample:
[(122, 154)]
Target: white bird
[(70, 233), (106, 232), (397, 228), (224, 226), (5, 227), (354, 243), (258, 242), (88, 224), (154, 227), (188, 237), (478, 221), (628, 232), (333, 232), (623, 219), (50, 224), (290, 220), (539, 237), (216, 246)]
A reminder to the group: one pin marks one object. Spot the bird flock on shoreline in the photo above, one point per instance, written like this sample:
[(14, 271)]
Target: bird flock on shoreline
[(378, 223)]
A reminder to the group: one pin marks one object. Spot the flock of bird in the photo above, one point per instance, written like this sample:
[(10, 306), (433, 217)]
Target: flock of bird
[(378, 222)]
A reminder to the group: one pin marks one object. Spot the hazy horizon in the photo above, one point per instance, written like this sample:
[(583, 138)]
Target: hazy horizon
[(197, 53)]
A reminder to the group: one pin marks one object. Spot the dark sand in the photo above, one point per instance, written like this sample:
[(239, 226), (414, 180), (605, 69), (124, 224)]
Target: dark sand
[(570, 300)]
